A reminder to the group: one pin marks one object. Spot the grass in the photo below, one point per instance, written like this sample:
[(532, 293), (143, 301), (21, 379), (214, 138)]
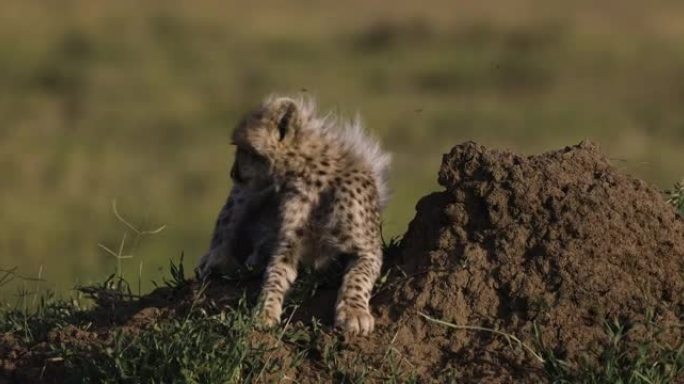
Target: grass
[(208, 344), (622, 362), (203, 343), (618, 362), (676, 197), (197, 348)]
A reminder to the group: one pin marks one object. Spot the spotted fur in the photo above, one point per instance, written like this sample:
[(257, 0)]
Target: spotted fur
[(329, 180)]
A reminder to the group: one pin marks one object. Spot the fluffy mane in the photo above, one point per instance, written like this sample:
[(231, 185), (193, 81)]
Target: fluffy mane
[(353, 139)]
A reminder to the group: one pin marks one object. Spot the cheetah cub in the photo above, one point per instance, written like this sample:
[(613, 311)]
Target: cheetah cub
[(328, 178)]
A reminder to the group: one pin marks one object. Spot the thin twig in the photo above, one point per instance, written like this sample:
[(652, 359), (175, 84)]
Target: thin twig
[(131, 226), (508, 336), (11, 272)]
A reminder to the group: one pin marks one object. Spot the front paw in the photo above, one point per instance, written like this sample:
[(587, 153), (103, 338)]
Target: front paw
[(268, 317), (253, 261), (211, 263), (354, 321), (201, 268)]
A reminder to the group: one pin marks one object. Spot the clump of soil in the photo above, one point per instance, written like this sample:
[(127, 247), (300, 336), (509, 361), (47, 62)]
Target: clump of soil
[(546, 248), (561, 241)]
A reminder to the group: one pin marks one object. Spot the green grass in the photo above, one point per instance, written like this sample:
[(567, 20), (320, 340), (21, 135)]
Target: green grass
[(619, 361), (209, 344), (196, 348), (676, 197), (622, 362), (203, 343)]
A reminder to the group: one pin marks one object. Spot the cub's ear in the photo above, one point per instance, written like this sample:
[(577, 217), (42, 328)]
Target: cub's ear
[(286, 120), (286, 115)]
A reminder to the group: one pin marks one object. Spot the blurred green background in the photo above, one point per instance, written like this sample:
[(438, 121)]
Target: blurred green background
[(133, 101)]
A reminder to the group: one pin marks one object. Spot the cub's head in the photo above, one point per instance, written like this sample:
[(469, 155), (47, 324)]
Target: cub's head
[(262, 136), (269, 129)]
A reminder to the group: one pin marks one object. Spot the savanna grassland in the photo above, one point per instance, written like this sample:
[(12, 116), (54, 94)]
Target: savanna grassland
[(133, 102)]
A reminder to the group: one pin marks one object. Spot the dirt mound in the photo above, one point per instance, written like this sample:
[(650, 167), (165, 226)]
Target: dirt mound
[(546, 248), (519, 263)]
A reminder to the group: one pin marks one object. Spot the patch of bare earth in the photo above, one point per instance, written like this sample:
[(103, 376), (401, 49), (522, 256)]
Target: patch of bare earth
[(560, 242)]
